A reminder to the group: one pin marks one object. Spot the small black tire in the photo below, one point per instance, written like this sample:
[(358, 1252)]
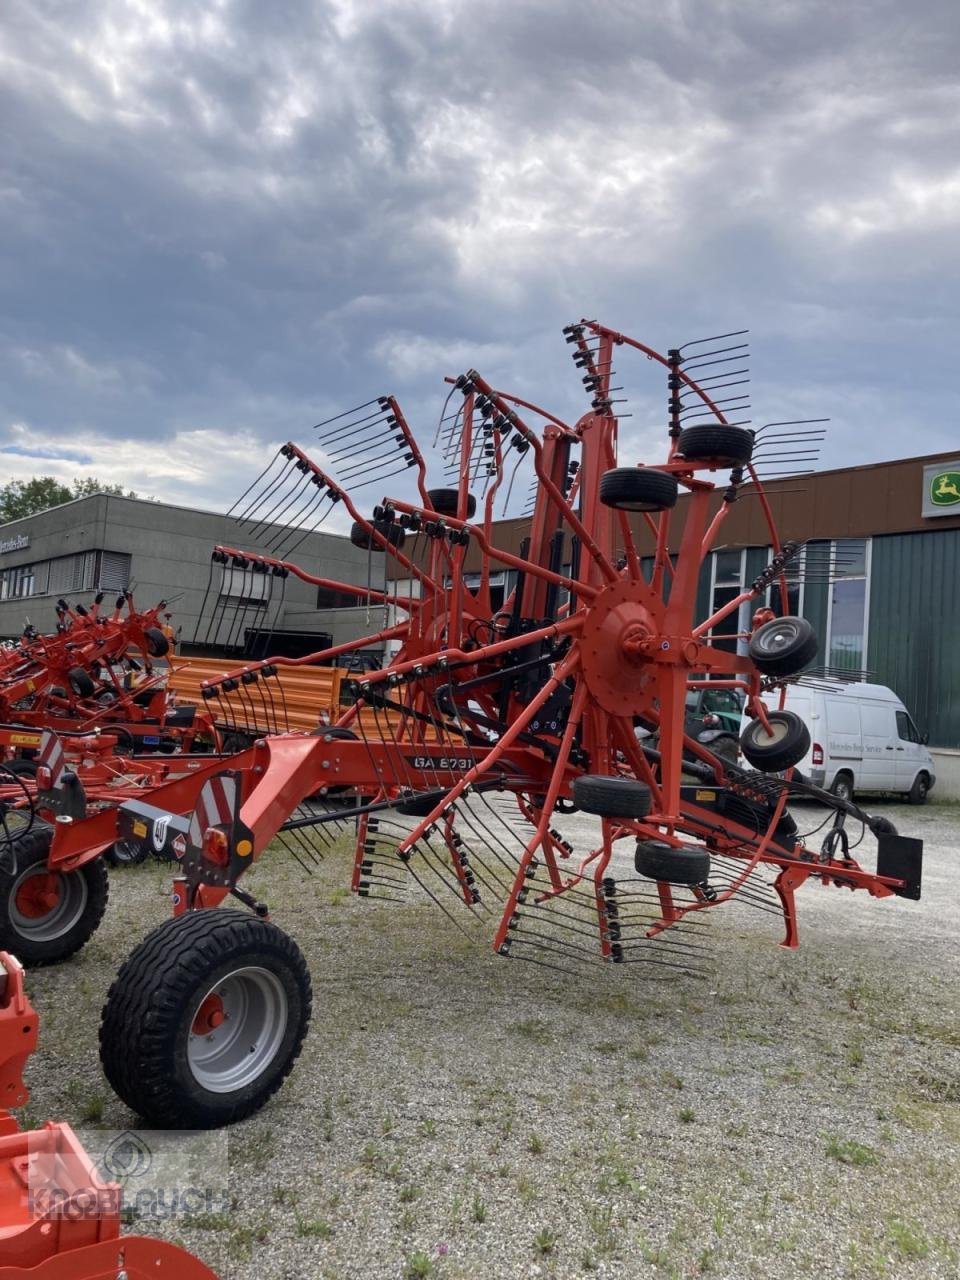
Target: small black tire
[(783, 646), (446, 502), (788, 744), (690, 864), (43, 921), (22, 767), (361, 536), (419, 806), (718, 445), (127, 853), (153, 1053), (611, 797), (81, 682), (638, 489), (158, 646), (842, 786), (920, 790)]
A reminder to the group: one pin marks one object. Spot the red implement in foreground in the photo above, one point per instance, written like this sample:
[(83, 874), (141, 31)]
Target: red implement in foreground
[(77, 1237), (521, 685)]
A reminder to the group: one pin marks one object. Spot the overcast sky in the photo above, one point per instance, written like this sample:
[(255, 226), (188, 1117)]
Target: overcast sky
[(221, 221)]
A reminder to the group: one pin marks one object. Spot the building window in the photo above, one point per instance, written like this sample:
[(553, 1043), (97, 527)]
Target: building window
[(726, 584), (847, 616), (69, 574), (114, 572), (330, 599)]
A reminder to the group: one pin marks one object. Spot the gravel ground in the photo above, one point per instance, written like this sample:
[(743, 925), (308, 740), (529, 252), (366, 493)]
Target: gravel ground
[(458, 1115)]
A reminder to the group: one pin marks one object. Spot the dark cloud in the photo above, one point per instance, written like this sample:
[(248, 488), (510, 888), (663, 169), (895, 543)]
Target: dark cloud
[(220, 222)]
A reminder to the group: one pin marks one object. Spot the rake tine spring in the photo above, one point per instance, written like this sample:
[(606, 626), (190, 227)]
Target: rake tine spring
[(278, 514), (718, 337), (261, 500), (327, 497), (295, 524), (349, 412), (511, 954), (261, 497), (254, 483), (203, 603)]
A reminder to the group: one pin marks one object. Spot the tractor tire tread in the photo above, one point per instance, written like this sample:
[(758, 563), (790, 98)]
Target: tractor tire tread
[(146, 1002)]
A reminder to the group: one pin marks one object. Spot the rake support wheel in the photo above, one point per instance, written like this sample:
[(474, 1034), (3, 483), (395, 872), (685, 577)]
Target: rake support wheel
[(716, 445), (611, 797), (658, 860), (784, 746), (784, 646), (638, 489)]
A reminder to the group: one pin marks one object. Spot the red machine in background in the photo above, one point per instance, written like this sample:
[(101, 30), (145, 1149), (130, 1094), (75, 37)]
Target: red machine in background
[(74, 1235)]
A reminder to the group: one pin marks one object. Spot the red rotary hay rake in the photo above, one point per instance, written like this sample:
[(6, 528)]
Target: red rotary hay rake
[(78, 680), (491, 721)]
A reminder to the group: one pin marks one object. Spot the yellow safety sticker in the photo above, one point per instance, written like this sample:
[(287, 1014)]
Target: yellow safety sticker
[(139, 828), (706, 795)]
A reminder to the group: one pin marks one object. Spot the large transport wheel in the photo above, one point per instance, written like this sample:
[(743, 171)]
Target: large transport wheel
[(719, 445), (690, 864), (783, 646), (638, 489), (46, 916), (205, 1020), (611, 797), (784, 746), (446, 501)]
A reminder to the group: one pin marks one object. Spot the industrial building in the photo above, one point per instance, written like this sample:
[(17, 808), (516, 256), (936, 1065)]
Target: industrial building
[(164, 552)]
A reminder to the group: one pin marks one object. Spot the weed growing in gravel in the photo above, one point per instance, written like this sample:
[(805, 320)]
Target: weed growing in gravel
[(848, 1151), (536, 1145), (536, 1030), (672, 1080), (854, 1055), (545, 1241), (909, 1242), (428, 1128), (314, 1228), (418, 1267), (687, 1115), (409, 1193), (603, 1226)]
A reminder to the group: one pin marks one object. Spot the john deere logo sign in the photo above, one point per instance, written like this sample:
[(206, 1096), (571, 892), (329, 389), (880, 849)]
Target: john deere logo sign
[(945, 489), (941, 489)]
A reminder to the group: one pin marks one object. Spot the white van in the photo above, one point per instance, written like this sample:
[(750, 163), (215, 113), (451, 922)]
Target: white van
[(862, 739)]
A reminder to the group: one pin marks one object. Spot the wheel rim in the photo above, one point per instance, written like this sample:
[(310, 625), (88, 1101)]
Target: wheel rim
[(237, 1029), (779, 639), (44, 905), (778, 731)]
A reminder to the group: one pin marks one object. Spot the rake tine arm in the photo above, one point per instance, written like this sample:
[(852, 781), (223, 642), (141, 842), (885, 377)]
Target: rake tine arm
[(408, 603)]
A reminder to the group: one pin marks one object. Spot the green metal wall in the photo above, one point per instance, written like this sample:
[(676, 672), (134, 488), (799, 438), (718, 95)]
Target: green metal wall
[(914, 640)]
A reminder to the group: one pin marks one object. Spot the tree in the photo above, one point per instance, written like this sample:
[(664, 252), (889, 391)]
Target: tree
[(26, 497)]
